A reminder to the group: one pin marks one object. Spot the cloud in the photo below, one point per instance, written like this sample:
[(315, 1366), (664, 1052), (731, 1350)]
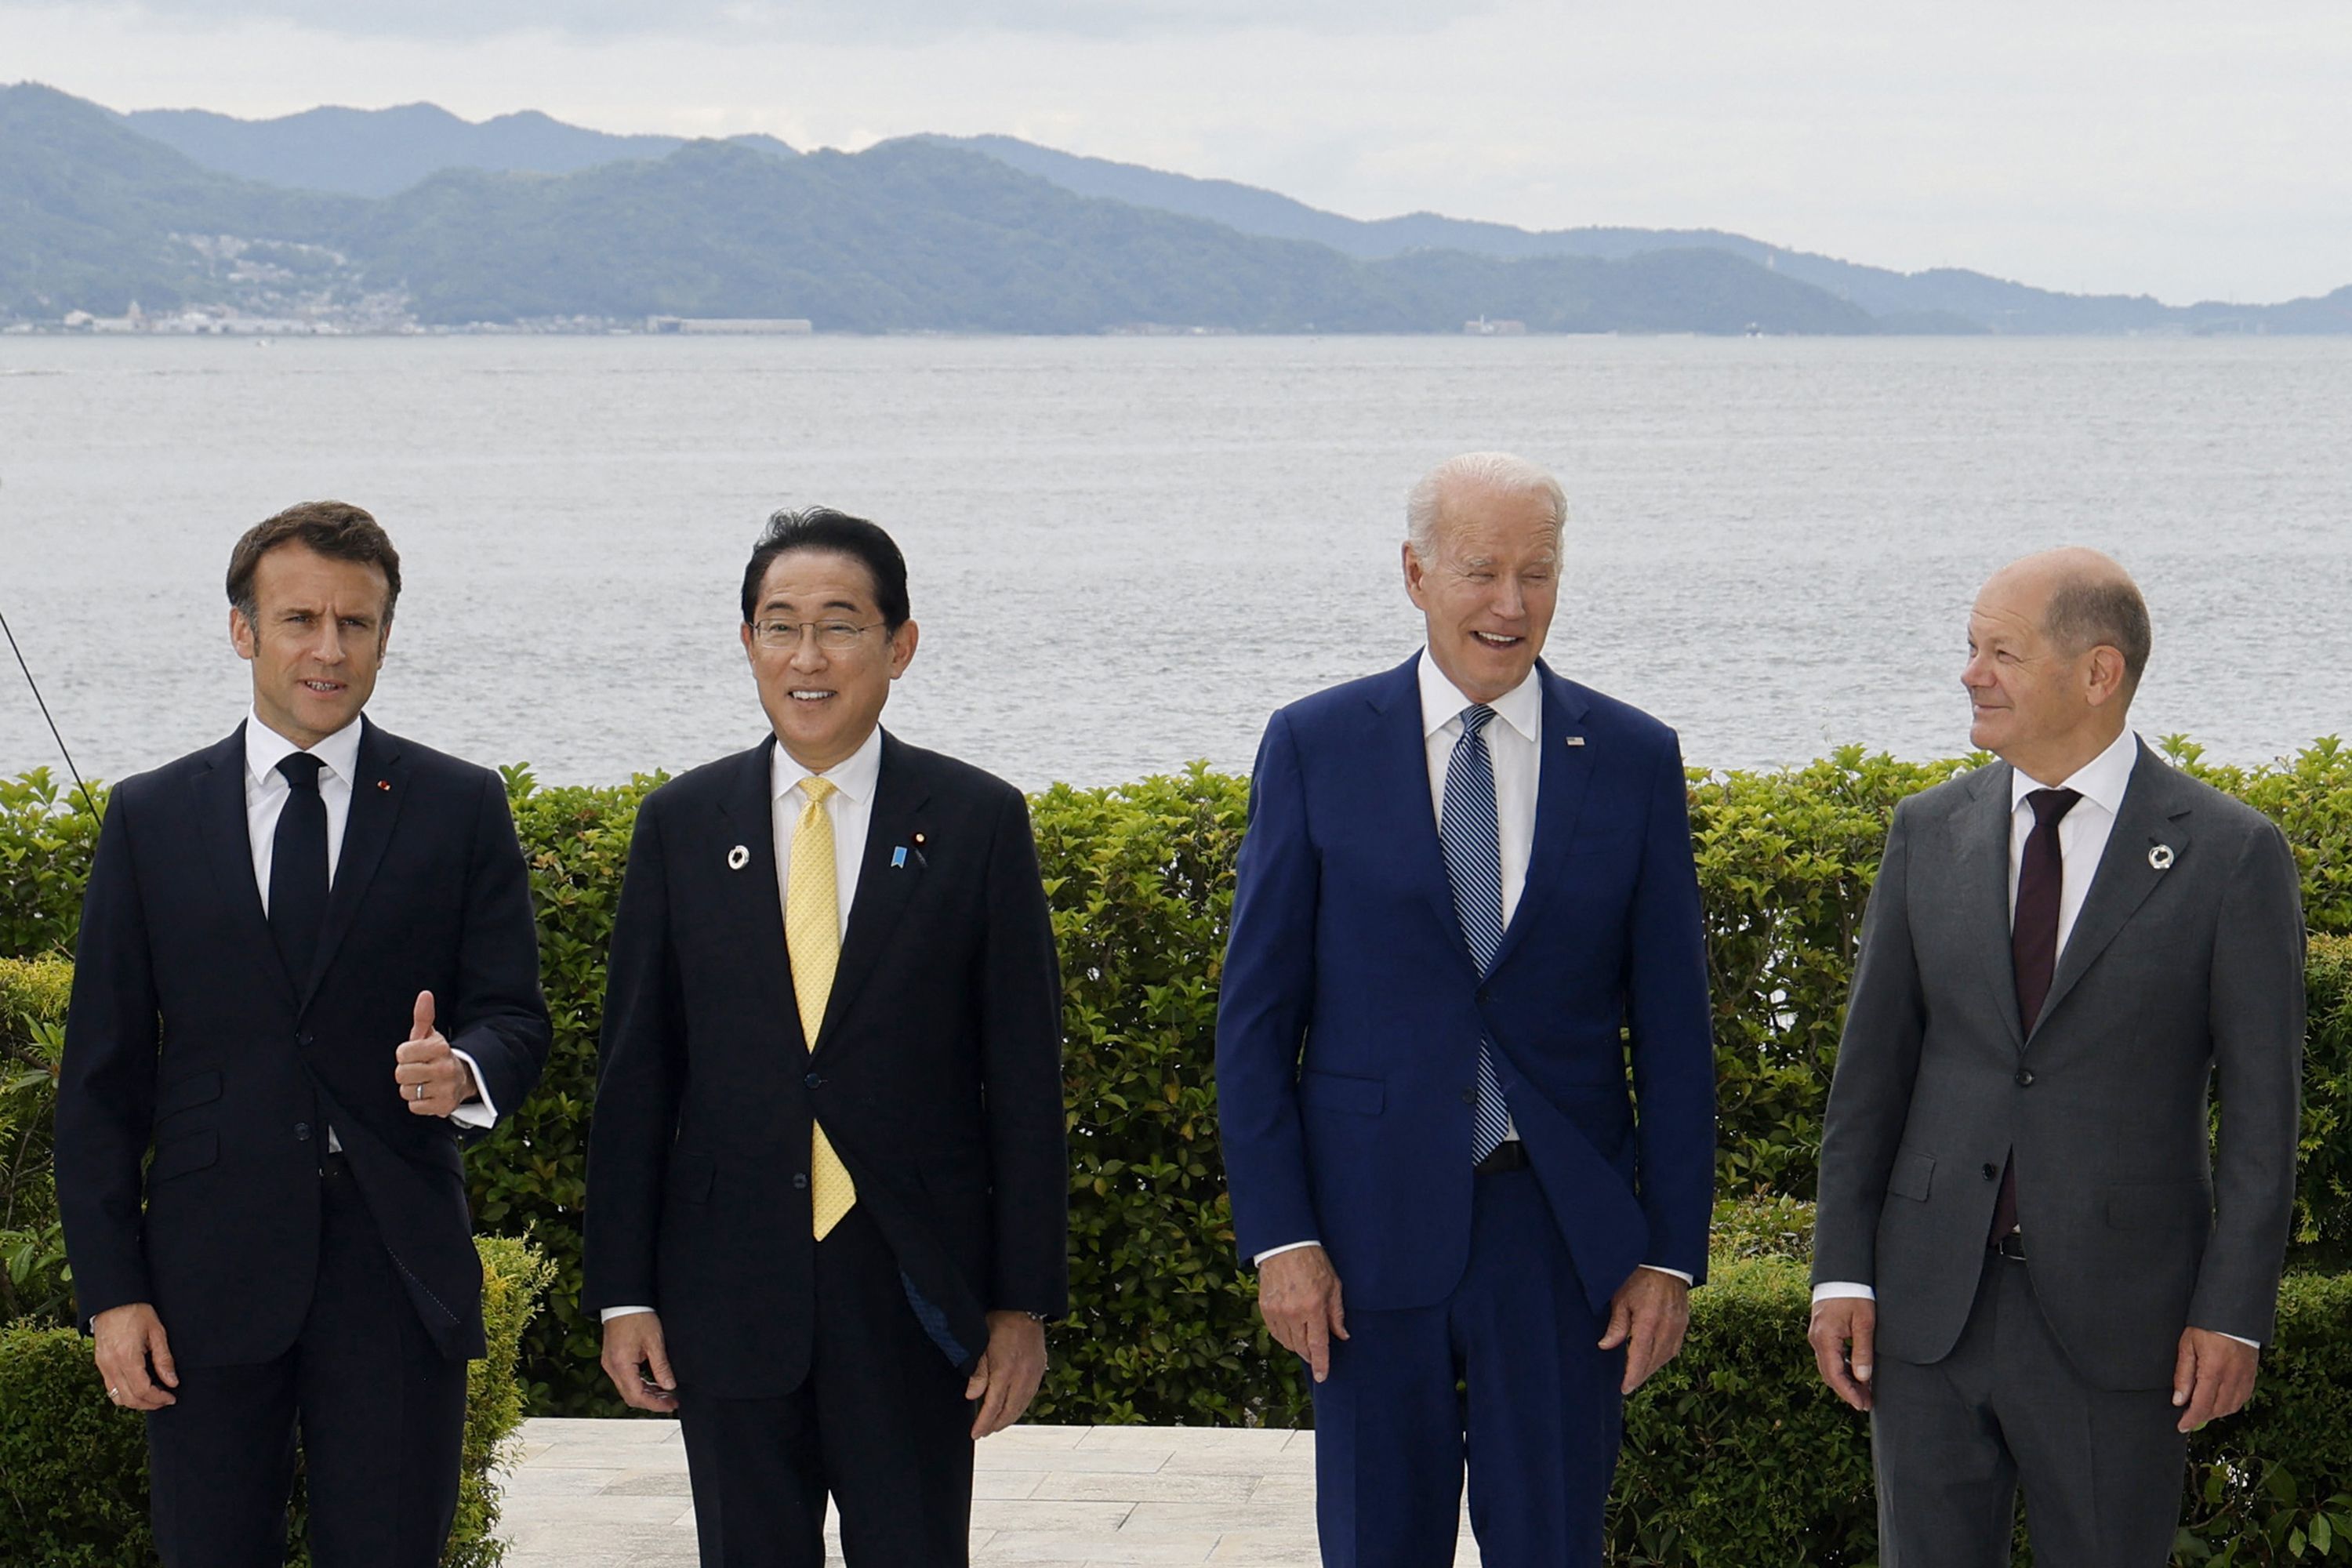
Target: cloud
[(821, 20)]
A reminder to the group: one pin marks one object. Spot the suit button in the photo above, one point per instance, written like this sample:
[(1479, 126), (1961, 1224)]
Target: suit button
[(301, 1132), (812, 1080), (2025, 1078), (800, 1182), (1470, 1095), (304, 1041), (1992, 1171), (1485, 994)]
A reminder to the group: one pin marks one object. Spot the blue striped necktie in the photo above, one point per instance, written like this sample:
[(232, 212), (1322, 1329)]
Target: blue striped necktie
[(1473, 865)]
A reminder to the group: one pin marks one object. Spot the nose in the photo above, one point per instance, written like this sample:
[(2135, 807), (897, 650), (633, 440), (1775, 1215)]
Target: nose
[(1509, 600), (806, 654), (327, 647), (1976, 673)]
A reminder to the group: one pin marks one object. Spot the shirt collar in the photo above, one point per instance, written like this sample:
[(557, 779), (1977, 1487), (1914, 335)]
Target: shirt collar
[(2101, 781), (855, 776), (1442, 702), (264, 748)]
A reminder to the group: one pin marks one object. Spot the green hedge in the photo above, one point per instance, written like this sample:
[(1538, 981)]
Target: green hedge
[(32, 1039), (1736, 1455), (1141, 881), (73, 1468)]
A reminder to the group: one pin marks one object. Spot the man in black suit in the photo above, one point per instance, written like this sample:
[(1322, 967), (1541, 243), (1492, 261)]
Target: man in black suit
[(827, 1188), (277, 931)]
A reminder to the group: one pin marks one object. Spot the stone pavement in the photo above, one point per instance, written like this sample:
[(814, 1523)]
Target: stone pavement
[(585, 1494)]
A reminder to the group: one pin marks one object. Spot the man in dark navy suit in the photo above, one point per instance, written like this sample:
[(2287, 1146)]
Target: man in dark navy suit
[(1465, 903), (827, 1189), (306, 955)]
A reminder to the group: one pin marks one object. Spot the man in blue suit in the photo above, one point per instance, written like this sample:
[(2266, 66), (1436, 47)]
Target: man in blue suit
[(1466, 904)]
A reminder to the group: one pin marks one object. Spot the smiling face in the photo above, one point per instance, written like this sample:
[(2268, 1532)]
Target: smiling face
[(1489, 586), (316, 640), (2045, 707), (821, 701)]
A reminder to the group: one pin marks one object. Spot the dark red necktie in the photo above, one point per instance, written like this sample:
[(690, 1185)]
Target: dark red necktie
[(2034, 945)]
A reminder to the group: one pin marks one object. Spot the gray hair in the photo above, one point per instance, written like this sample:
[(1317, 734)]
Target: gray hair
[(1498, 472), (2088, 611)]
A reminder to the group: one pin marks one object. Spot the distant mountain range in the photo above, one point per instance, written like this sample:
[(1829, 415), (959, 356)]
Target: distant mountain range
[(379, 151), (375, 218)]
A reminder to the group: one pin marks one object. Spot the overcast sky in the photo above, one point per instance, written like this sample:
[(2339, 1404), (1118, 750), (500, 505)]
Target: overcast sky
[(2189, 152)]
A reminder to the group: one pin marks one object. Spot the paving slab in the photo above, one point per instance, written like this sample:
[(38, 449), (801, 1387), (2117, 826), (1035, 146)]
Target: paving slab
[(590, 1493)]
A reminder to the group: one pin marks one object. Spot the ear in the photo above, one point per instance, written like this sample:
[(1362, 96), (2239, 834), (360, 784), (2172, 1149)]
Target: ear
[(2104, 676), (750, 648), (902, 647), (242, 634), (1415, 576)]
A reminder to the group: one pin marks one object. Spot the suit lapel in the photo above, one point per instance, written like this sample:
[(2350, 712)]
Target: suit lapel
[(229, 850), (1562, 773), (895, 823), (2151, 815), (366, 831), (746, 821), (1982, 857), (1402, 783)]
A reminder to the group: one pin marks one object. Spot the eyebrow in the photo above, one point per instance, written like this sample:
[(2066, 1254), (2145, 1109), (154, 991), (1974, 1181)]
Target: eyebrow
[(784, 604)]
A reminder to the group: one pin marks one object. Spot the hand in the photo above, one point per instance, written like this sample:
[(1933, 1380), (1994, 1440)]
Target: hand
[(1298, 1297), (1648, 1316), (1839, 1321), (2212, 1375), (638, 1361), (1009, 1371), (130, 1341), (427, 1063)]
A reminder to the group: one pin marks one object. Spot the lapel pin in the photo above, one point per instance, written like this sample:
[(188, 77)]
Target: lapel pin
[(738, 857), (1573, 740), (383, 784), (920, 841), (897, 856), (2161, 857)]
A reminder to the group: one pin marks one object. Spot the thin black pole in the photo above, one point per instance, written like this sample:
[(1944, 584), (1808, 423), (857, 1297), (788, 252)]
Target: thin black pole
[(62, 749)]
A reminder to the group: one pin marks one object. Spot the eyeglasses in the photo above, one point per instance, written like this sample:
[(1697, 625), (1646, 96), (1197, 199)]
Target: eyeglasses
[(833, 637)]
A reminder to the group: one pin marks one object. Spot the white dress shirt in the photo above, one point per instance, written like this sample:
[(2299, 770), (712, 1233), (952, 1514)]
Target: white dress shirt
[(2082, 840), (265, 793), (851, 808), (1516, 748)]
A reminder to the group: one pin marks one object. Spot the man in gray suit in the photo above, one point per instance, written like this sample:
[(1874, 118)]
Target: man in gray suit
[(2027, 1264)]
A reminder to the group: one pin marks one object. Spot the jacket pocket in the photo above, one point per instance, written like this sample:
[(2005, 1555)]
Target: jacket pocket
[(1911, 1176), (187, 1093), (1337, 1092), (2160, 1206), (181, 1155)]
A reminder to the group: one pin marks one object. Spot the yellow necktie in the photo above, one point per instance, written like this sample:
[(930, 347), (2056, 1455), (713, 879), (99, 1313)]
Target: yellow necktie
[(812, 938)]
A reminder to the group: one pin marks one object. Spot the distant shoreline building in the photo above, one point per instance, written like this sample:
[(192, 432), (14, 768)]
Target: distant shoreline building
[(1482, 328), (750, 326)]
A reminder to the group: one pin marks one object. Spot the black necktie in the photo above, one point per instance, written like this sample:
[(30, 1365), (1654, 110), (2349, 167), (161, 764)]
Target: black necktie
[(2033, 944), (297, 868)]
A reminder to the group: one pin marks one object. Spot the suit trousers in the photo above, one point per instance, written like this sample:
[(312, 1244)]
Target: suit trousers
[(1507, 1375), (380, 1412), (2102, 1468), (880, 1423)]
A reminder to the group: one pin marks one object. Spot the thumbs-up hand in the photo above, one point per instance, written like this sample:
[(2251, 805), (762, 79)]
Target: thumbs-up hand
[(430, 1077)]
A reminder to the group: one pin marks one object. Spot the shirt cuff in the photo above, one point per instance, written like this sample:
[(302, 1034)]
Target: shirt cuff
[(1287, 1247), (1662, 1269), (481, 1111), (2252, 1344), (609, 1313), (1843, 1291)]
